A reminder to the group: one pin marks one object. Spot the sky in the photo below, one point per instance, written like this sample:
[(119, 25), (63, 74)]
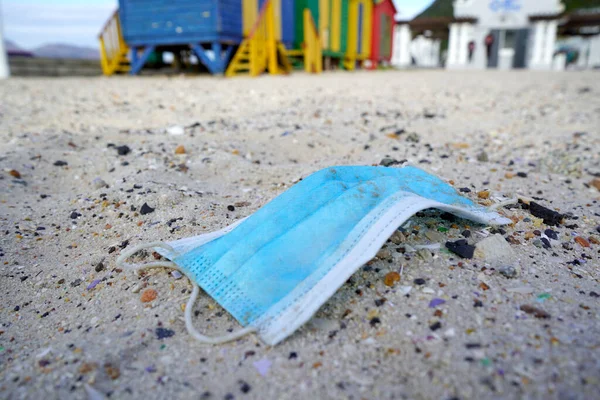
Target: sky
[(31, 23)]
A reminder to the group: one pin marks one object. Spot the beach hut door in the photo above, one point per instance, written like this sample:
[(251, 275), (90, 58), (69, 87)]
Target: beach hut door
[(385, 45), (360, 29)]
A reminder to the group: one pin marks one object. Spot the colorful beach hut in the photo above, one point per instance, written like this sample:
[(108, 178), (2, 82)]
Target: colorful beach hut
[(359, 33), (212, 29), (344, 27), (331, 20), (382, 32)]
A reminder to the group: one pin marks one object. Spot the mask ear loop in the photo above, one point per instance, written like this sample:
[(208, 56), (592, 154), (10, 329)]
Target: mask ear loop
[(190, 303), (508, 202)]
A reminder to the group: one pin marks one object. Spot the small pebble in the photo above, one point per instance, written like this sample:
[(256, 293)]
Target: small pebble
[(461, 248), (162, 333), (148, 295), (180, 149), (391, 278), (582, 242), (536, 312), (123, 150), (146, 209)]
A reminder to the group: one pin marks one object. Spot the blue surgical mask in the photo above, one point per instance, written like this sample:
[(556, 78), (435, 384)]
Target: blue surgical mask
[(273, 270)]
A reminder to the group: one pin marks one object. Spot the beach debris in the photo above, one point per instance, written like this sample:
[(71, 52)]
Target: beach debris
[(99, 267), (176, 274), (86, 367), (112, 371), (435, 326), (384, 254), (419, 281), (461, 248), (388, 162), (163, 333), (581, 241), (404, 290), (434, 236), (14, 173), (436, 302), (550, 217), (244, 386), (262, 366), (483, 157), (424, 254), (146, 209), (60, 163), (543, 297), (180, 149), (521, 290), (536, 312), (460, 145), (94, 283), (123, 150), (484, 194), (92, 393), (413, 137), (391, 278), (509, 271), (148, 295), (323, 324), (175, 130), (98, 183), (380, 302), (496, 251), (595, 183)]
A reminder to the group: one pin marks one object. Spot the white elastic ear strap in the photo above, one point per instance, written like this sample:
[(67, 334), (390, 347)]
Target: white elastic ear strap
[(195, 291)]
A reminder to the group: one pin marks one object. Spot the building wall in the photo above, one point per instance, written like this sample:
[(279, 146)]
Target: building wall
[(594, 54), (401, 46), (425, 51), (534, 40), (505, 14)]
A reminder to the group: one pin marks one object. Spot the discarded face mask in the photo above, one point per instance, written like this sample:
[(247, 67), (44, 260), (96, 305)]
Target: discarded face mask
[(273, 270)]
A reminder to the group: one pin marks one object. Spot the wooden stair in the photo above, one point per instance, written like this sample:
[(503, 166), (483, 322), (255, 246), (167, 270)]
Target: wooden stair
[(260, 51), (296, 57), (114, 52)]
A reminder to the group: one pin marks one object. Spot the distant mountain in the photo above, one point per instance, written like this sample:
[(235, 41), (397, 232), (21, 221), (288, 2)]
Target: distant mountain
[(12, 46), (60, 50), (14, 50)]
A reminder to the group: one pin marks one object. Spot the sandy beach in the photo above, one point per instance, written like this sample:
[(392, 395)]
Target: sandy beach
[(93, 166)]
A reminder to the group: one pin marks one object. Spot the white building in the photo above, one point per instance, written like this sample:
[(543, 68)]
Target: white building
[(519, 34), (501, 34)]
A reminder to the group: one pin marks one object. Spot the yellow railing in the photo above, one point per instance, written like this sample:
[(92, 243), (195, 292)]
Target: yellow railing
[(260, 50), (313, 57), (263, 44), (113, 49)]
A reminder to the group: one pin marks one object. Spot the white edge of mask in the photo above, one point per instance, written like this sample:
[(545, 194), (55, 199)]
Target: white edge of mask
[(274, 328), (187, 244)]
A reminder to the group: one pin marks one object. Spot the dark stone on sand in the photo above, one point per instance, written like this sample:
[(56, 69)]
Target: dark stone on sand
[(550, 217), (461, 248), (146, 209)]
